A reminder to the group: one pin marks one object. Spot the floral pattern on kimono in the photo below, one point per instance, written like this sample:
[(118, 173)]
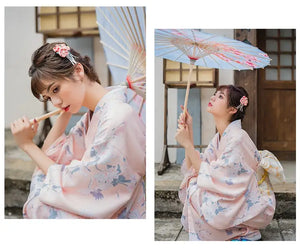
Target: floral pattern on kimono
[(99, 167), (223, 201)]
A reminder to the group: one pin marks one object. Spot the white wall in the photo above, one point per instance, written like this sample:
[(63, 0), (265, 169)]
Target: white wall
[(159, 113), (100, 62), (208, 127), (20, 42)]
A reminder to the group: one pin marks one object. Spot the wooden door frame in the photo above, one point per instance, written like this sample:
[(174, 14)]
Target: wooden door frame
[(248, 80), (287, 85)]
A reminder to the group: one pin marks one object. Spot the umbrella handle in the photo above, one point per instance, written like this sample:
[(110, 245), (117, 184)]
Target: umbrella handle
[(188, 89), (47, 115)]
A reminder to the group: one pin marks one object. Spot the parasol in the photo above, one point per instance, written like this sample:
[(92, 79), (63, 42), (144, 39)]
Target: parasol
[(122, 34), (207, 50)]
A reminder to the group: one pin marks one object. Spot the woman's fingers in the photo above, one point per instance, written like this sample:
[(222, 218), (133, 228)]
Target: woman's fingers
[(35, 126), (22, 124)]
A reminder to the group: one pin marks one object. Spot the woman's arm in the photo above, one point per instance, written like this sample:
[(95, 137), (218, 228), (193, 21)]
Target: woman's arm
[(57, 130), (193, 156), (186, 119), (183, 137), (38, 156)]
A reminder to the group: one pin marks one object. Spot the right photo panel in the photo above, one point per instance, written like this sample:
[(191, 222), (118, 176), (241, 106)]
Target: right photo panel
[(225, 134)]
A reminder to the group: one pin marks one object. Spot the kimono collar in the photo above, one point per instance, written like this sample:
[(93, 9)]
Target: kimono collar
[(115, 93), (232, 125)]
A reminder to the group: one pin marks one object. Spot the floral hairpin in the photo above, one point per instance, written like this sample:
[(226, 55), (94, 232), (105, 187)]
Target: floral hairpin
[(64, 51), (243, 102)]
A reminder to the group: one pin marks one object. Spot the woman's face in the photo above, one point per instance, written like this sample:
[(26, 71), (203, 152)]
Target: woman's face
[(218, 104), (65, 94)]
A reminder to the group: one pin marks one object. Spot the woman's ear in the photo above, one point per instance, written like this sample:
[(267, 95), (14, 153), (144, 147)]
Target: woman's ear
[(79, 71), (232, 110)]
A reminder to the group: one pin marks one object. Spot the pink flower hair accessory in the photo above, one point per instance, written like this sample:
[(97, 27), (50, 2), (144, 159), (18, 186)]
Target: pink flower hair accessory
[(64, 51), (243, 102)]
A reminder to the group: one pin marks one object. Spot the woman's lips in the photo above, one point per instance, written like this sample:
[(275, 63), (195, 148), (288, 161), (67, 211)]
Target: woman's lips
[(209, 104), (66, 108)]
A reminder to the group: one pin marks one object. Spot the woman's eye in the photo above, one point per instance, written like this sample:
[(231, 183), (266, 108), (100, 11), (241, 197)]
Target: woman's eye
[(55, 90), (220, 96)]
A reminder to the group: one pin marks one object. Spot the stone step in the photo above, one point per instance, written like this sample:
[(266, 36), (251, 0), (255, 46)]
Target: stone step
[(167, 203), (18, 171), (170, 229)]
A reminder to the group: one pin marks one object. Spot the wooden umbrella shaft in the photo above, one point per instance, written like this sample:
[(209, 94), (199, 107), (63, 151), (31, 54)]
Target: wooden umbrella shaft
[(45, 116), (188, 87)]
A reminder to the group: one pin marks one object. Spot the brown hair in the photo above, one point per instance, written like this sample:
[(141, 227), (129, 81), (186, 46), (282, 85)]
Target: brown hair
[(47, 65), (234, 95)]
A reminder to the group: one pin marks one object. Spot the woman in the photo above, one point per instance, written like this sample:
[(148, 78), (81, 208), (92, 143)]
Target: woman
[(97, 170), (220, 192)]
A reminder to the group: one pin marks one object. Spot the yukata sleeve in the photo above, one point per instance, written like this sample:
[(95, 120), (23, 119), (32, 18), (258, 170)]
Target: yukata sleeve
[(62, 151), (189, 173), (99, 185), (227, 184), (208, 155), (68, 147)]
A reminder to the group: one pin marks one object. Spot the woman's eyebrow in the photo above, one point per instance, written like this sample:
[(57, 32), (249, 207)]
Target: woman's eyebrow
[(48, 88), (220, 92)]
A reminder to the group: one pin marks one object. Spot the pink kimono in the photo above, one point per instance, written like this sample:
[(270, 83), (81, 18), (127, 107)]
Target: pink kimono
[(99, 167), (224, 201)]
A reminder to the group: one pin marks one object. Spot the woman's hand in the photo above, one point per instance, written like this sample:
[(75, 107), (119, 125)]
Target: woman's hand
[(183, 136), (185, 119), (23, 131)]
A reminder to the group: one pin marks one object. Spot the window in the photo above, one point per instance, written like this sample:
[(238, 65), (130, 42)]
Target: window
[(66, 21), (176, 75), (280, 46)]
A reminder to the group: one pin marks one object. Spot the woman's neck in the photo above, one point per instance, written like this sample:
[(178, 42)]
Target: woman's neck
[(93, 94), (221, 125)]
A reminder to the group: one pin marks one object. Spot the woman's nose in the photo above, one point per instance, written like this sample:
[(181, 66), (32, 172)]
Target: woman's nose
[(212, 98), (56, 101)]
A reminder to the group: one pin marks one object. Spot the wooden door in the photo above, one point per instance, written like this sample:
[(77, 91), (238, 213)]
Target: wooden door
[(277, 93)]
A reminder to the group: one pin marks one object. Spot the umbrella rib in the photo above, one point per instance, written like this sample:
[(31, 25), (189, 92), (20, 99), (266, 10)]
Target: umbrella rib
[(216, 61), (168, 52), (132, 97), (183, 34), (134, 27), (113, 38), (117, 18), (128, 25), (113, 26), (114, 50), (138, 79), (116, 65), (141, 106), (180, 56), (140, 30), (137, 68), (232, 65), (137, 64), (242, 59), (166, 33), (204, 61), (124, 27)]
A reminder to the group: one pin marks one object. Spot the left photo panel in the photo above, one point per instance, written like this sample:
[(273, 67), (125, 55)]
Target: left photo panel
[(75, 112)]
